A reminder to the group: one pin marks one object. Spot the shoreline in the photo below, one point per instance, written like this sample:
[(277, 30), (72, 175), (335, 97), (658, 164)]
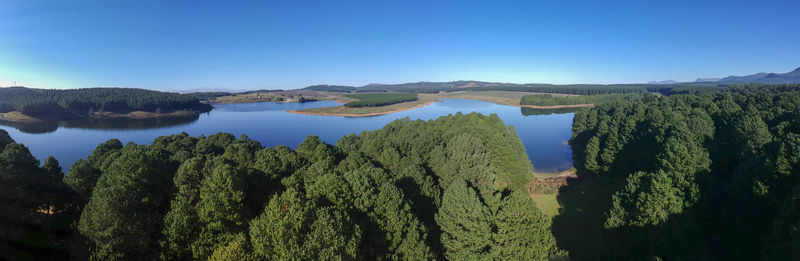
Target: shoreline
[(586, 105), (571, 172), (360, 115), (18, 117)]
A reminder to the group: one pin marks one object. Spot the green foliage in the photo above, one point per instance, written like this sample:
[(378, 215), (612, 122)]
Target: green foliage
[(294, 227), (128, 204), (220, 209), (550, 100), (84, 173), (35, 207), (523, 232), (713, 170), (235, 250), (48, 102), (374, 196), (466, 223), (379, 99)]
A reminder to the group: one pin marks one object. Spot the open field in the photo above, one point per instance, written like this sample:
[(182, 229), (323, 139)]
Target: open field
[(547, 203), (16, 116)]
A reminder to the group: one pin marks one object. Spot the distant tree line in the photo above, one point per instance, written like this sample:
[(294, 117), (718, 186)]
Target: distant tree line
[(51, 101), (361, 90), (550, 100), (452, 188), (711, 177), (208, 95), (331, 88), (379, 99)]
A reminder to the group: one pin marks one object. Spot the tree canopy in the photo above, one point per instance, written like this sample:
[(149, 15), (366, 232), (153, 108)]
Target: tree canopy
[(397, 193), (697, 175)]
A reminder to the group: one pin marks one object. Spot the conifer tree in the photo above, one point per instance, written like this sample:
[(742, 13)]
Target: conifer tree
[(466, 223)]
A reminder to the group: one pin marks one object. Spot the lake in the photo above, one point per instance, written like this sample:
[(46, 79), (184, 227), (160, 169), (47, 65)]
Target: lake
[(545, 135)]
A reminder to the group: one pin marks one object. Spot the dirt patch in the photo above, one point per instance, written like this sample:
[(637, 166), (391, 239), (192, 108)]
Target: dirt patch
[(549, 183)]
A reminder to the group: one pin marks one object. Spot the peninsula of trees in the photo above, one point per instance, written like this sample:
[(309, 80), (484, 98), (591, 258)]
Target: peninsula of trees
[(452, 188), (72, 103), (379, 99)]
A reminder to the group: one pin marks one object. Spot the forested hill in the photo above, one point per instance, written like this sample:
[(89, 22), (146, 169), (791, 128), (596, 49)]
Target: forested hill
[(707, 177), (452, 188), (36, 102)]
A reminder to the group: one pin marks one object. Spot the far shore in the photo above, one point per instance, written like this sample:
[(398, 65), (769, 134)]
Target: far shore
[(502, 98), (15, 116), (361, 115)]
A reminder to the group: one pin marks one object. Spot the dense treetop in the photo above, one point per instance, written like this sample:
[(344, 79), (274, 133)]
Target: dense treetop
[(52, 101), (712, 176), (404, 192)]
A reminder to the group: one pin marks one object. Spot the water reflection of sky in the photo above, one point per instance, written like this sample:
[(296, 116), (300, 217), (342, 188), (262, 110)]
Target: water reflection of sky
[(544, 136)]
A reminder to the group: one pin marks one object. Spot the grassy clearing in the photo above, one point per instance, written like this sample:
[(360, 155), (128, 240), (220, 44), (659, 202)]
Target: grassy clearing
[(16, 116), (547, 203)]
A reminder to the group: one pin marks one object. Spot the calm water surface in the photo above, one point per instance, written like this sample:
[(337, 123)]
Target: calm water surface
[(545, 136)]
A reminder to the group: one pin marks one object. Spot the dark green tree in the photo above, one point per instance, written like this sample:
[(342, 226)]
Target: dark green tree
[(466, 223)]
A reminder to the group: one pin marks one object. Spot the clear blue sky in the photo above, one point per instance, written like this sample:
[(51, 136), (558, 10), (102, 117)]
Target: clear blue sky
[(185, 45)]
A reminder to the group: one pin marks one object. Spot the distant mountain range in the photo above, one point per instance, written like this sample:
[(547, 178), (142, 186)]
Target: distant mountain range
[(765, 78)]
